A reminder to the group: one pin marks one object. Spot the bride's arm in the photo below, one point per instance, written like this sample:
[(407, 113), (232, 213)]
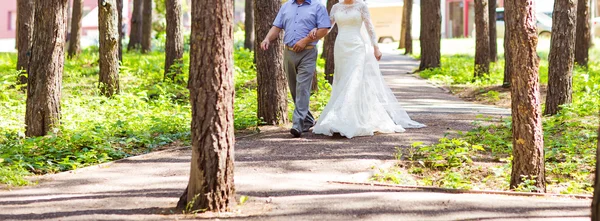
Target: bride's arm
[(314, 33), (366, 17)]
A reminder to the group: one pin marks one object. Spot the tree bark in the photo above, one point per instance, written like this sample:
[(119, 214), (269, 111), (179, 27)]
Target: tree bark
[(402, 41), (431, 27), (272, 88), (74, 41), (120, 28), (482, 40), (528, 140), (147, 27), (562, 52), (25, 21), (408, 41), (135, 35), (492, 26), (174, 44), (507, 53), (249, 25), (583, 39), (596, 199), (211, 88), (109, 46), (45, 72), (328, 47)]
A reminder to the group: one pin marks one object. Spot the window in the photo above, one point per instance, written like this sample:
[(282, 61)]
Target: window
[(12, 21)]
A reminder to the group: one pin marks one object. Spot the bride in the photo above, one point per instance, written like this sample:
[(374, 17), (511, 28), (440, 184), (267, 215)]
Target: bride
[(361, 103)]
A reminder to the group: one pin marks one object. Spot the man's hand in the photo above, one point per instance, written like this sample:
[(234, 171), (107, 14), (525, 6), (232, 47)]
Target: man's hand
[(378, 54), (298, 47), (265, 44)]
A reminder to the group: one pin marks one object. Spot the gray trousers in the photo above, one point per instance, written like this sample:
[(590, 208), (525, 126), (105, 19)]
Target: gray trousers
[(300, 68)]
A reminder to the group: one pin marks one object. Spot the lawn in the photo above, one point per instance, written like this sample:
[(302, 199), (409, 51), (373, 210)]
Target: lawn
[(149, 114), (481, 158)]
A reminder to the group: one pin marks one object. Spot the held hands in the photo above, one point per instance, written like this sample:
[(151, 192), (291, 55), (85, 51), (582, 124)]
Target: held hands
[(378, 54), (264, 45), (313, 34)]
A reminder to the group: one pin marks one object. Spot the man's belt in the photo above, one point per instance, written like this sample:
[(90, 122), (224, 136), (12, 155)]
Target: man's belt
[(305, 48)]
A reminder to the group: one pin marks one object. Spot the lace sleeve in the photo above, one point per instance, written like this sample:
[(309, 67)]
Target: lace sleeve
[(366, 17), (331, 14)]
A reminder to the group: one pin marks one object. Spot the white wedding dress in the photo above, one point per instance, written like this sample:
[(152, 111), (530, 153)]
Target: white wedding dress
[(361, 103)]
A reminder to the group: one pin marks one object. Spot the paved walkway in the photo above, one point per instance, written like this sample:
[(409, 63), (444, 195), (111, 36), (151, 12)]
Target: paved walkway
[(288, 179)]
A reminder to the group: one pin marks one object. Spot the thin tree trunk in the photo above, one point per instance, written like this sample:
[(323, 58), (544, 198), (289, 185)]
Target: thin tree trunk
[(109, 46), (328, 47), (482, 40), (562, 53), (135, 36), (74, 42), (528, 140), (120, 28), (507, 61), (582, 39), (431, 27), (402, 42), (249, 25), (596, 199), (211, 186), (408, 41), (174, 44), (272, 88), (493, 35), (25, 21), (45, 72), (147, 27)]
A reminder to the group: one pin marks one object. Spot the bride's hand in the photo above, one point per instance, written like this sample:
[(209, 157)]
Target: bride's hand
[(313, 33), (378, 54)]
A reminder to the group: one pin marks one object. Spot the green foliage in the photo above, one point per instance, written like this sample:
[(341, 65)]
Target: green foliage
[(480, 158), (150, 112)]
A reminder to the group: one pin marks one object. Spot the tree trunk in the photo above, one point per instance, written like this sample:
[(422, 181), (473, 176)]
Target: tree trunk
[(596, 200), (135, 35), (562, 49), (482, 40), (272, 88), (74, 42), (328, 47), (147, 27), (492, 26), (25, 18), (45, 72), (528, 140), (408, 42), (507, 61), (174, 44), (120, 28), (431, 27), (109, 46), (211, 88), (402, 42), (249, 25), (583, 40)]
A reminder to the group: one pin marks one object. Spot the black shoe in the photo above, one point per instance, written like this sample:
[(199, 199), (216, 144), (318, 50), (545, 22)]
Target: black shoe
[(296, 132)]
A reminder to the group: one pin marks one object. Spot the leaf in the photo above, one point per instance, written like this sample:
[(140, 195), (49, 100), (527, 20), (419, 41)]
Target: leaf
[(520, 141), (243, 199), (478, 147)]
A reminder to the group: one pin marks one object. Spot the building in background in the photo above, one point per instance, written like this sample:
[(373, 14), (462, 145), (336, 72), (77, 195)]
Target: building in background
[(89, 32)]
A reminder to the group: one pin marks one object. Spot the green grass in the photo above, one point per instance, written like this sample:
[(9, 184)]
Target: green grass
[(480, 158), (149, 113)]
